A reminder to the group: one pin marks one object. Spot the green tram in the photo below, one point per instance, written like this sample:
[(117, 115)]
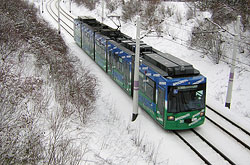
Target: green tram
[(171, 90)]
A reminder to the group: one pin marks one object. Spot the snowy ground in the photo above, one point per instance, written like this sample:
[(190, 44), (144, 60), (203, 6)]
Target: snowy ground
[(113, 139)]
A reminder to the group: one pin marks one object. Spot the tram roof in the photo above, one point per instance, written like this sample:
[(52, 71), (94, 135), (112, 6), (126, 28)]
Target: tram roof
[(173, 66)]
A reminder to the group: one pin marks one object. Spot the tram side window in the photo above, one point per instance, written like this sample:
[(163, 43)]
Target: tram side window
[(100, 51), (126, 69), (91, 42), (161, 101), (97, 47), (141, 82), (120, 66), (110, 59), (150, 89), (116, 60), (102, 46)]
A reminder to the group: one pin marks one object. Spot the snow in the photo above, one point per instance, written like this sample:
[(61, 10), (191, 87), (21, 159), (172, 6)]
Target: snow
[(113, 138)]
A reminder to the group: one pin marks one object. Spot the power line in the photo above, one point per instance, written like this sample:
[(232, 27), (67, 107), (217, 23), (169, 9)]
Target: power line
[(179, 28), (179, 23), (188, 46), (203, 32)]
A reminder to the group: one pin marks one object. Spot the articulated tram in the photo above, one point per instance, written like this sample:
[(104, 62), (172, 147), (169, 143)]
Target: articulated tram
[(171, 90)]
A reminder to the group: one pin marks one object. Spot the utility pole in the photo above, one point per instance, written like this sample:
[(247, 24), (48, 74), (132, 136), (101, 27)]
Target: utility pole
[(231, 76), (39, 7), (42, 6), (59, 26), (102, 11), (70, 5), (136, 71)]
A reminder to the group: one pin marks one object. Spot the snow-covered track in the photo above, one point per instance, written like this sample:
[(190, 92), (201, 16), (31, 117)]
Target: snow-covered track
[(222, 138), (54, 15), (192, 148), (203, 148), (244, 135), (66, 15), (229, 140), (48, 6), (230, 134), (228, 120)]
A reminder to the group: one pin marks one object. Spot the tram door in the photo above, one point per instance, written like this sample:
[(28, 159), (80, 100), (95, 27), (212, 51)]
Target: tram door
[(161, 104)]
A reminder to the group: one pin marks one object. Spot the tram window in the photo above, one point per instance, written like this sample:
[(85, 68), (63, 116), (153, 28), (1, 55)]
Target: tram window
[(126, 69), (109, 54), (100, 49), (103, 51), (161, 101), (186, 98), (141, 82), (114, 59), (120, 64), (150, 89)]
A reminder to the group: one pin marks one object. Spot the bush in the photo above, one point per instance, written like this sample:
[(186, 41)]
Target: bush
[(28, 42), (178, 16), (130, 9), (21, 138), (189, 14), (170, 11), (206, 37), (226, 11), (151, 12), (112, 5), (223, 15), (90, 4)]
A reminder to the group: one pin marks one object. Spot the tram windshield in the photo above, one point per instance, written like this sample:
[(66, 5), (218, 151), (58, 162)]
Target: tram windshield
[(186, 98)]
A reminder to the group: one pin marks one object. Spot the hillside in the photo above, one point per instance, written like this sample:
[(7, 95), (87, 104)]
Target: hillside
[(44, 90), (59, 107)]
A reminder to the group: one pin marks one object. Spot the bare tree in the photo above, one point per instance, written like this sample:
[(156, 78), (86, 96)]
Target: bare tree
[(207, 37), (23, 98), (89, 4)]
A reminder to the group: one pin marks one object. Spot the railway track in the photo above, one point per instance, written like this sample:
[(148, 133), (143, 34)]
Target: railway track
[(66, 15), (195, 138), (229, 131), (201, 146), (222, 128), (54, 15), (228, 120)]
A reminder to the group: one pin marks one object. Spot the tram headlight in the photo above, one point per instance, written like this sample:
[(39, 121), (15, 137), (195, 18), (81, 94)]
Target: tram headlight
[(202, 114), (171, 118)]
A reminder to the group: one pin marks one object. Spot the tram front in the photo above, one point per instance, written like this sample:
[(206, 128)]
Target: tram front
[(186, 103)]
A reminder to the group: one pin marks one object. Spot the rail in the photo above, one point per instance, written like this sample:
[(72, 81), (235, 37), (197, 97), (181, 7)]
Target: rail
[(55, 17)]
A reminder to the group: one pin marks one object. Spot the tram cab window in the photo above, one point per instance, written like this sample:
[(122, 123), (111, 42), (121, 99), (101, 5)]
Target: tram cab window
[(186, 98)]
